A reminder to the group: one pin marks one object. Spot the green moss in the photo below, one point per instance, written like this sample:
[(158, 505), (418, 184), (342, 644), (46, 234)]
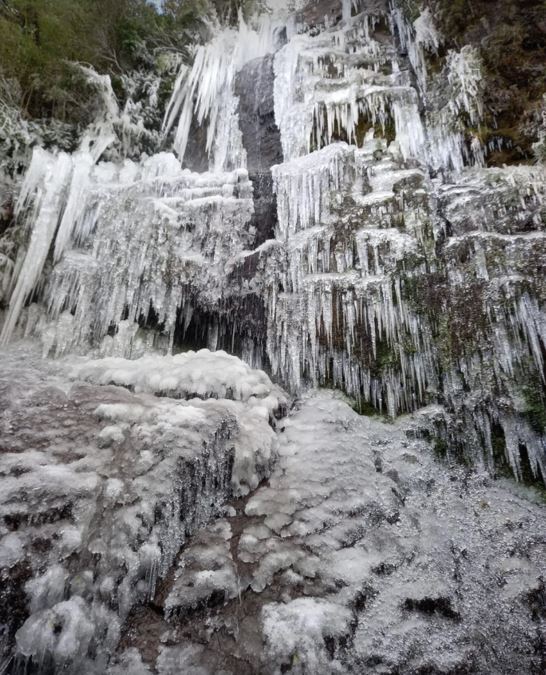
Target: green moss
[(498, 444), (411, 9), (439, 447), (535, 407), (386, 358), (365, 408), (40, 39)]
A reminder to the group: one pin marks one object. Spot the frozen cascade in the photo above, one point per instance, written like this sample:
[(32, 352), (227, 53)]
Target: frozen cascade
[(358, 217), (42, 224), (206, 89), (103, 271), (416, 39)]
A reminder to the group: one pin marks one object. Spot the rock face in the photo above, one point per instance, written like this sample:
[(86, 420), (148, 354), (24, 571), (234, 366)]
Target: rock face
[(254, 87), (513, 74)]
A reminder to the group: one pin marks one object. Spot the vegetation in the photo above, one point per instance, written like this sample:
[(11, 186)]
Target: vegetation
[(511, 39), (535, 407), (41, 39)]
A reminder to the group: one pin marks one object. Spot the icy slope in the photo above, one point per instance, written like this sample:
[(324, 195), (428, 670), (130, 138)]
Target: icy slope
[(361, 554)]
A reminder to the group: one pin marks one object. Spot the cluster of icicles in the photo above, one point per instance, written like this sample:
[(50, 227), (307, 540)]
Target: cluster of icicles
[(127, 238)]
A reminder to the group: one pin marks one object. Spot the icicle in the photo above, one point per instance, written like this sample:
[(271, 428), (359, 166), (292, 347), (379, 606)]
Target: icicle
[(205, 90), (48, 177)]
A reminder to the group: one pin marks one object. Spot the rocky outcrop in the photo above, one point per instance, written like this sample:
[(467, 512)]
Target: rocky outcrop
[(511, 39), (101, 487)]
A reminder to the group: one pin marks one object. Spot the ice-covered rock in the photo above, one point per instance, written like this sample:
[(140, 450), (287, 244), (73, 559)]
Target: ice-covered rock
[(361, 554), (100, 487)]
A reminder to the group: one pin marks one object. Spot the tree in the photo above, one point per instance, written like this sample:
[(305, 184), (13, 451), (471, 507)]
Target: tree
[(39, 39)]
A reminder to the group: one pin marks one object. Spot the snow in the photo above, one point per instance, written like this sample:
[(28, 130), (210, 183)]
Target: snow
[(202, 374)]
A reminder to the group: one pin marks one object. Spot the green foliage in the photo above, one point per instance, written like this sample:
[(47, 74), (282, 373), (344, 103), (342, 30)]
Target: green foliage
[(41, 39), (535, 407)]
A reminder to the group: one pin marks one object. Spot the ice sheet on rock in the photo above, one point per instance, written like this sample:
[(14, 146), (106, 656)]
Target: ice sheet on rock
[(206, 573), (119, 481), (11, 550), (185, 659), (362, 553), (129, 663), (297, 631), (63, 633), (202, 374), (363, 531)]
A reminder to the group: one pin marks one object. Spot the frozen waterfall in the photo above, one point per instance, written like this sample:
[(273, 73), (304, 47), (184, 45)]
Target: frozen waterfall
[(318, 213)]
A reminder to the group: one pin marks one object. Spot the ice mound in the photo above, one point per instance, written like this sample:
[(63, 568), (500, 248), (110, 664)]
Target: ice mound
[(202, 374), (100, 487)]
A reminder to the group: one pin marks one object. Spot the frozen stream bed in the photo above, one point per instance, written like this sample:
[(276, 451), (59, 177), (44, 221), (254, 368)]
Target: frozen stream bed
[(150, 511)]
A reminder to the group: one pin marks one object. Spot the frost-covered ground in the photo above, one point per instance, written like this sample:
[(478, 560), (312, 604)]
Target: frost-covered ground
[(360, 554), (100, 487)]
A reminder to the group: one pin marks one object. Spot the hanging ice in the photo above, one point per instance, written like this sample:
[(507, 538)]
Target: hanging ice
[(205, 91)]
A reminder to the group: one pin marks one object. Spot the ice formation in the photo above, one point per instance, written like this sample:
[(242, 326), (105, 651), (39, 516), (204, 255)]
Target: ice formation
[(367, 249), (107, 269), (374, 182), (128, 478), (204, 374), (359, 219), (206, 89)]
